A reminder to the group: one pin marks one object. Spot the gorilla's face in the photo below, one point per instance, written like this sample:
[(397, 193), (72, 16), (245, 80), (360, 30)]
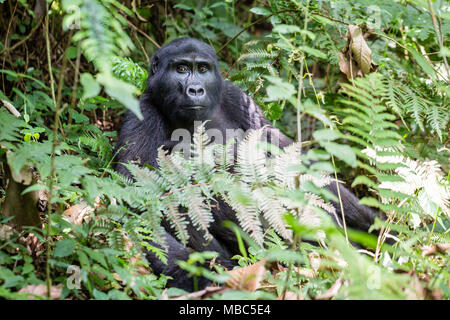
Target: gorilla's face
[(184, 82)]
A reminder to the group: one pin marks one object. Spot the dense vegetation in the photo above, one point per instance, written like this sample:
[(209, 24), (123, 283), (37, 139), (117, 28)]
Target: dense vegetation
[(363, 85)]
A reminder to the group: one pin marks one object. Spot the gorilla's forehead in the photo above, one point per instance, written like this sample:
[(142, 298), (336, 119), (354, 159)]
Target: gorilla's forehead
[(187, 48)]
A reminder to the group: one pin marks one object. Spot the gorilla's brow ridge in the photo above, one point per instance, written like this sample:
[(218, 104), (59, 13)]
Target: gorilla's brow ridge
[(189, 60)]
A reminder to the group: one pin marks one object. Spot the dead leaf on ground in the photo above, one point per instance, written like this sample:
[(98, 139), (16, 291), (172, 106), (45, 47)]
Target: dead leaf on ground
[(332, 292), (34, 246), (441, 248), (302, 271), (202, 294), (415, 290), (248, 278), (41, 290), (6, 232), (78, 213)]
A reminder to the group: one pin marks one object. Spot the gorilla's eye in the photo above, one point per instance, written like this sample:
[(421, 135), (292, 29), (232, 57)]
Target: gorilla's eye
[(182, 68), (202, 68)]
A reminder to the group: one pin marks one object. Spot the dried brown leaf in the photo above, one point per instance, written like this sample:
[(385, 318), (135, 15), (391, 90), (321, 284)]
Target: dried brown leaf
[(202, 294), (332, 292), (248, 278), (344, 66), (41, 290), (360, 49), (441, 248), (78, 213)]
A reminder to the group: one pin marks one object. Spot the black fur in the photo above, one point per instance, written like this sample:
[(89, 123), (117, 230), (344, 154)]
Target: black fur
[(227, 107)]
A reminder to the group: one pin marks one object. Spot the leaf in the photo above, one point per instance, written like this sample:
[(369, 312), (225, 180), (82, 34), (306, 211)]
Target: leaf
[(41, 291), (343, 152), (424, 64), (183, 6), (121, 91), (247, 278), (91, 88), (327, 135), (360, 49), (64, 248), (313, 52), (261, 11), (286, 28), (344, 65), (279, 89)]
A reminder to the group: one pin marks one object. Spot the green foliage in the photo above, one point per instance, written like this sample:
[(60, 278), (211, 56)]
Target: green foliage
[(388, 128), (102, 38)]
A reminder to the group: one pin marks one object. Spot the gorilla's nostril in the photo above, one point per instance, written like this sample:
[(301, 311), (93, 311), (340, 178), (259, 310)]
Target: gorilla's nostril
[(195, 90)]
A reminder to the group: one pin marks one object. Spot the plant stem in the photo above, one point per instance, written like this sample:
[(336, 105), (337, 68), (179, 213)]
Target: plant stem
[(434, 225), (438, 37), (52, 158)]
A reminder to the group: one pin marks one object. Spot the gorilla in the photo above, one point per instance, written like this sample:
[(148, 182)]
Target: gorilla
[(185, 85)]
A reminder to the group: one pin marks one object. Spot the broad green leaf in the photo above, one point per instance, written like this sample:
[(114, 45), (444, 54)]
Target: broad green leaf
[(91, 88), (279, 89), (313, 52), (261, 11), (122, 92), (286, 28), (341, 151), (64, 248), (422, 62), (327, 135)]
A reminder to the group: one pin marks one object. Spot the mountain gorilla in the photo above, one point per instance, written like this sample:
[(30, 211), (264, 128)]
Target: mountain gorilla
[(185, 85)]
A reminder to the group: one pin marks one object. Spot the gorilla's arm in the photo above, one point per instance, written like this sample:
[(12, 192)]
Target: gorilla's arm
[(250, 116), (241, 109)]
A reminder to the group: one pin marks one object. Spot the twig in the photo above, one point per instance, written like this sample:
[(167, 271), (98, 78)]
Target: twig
[(438, 37), (143, 33), (6, 42), (11, 108), (249, 26), (74, 88), (52, 158), (21, 42)]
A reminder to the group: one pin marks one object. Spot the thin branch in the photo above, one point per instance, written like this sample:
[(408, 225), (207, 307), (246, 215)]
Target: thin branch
[(74, 88), (21, 42), (438, 37), (249, 26), (142, 33), (52, 158)]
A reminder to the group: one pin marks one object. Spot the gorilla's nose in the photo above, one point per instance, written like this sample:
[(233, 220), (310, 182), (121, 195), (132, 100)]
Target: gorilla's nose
[(195, 90)]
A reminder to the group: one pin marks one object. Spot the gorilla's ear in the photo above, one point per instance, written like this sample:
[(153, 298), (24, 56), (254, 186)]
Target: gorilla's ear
[(154, 66)]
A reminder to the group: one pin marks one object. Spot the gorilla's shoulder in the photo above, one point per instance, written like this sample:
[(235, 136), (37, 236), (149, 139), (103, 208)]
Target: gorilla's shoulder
[(242, 107)]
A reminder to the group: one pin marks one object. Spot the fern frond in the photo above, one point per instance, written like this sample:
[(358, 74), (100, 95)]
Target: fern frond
[(284, 163), (272, 211), (423, 177), (176, 219), (173, 169), (240, 199), (149, 180), (199, 213), (251, 160), (257, 54), (438, 117)]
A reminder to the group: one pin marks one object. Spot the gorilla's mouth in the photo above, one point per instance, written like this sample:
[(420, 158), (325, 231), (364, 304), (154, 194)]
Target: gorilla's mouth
[(195, 107)]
